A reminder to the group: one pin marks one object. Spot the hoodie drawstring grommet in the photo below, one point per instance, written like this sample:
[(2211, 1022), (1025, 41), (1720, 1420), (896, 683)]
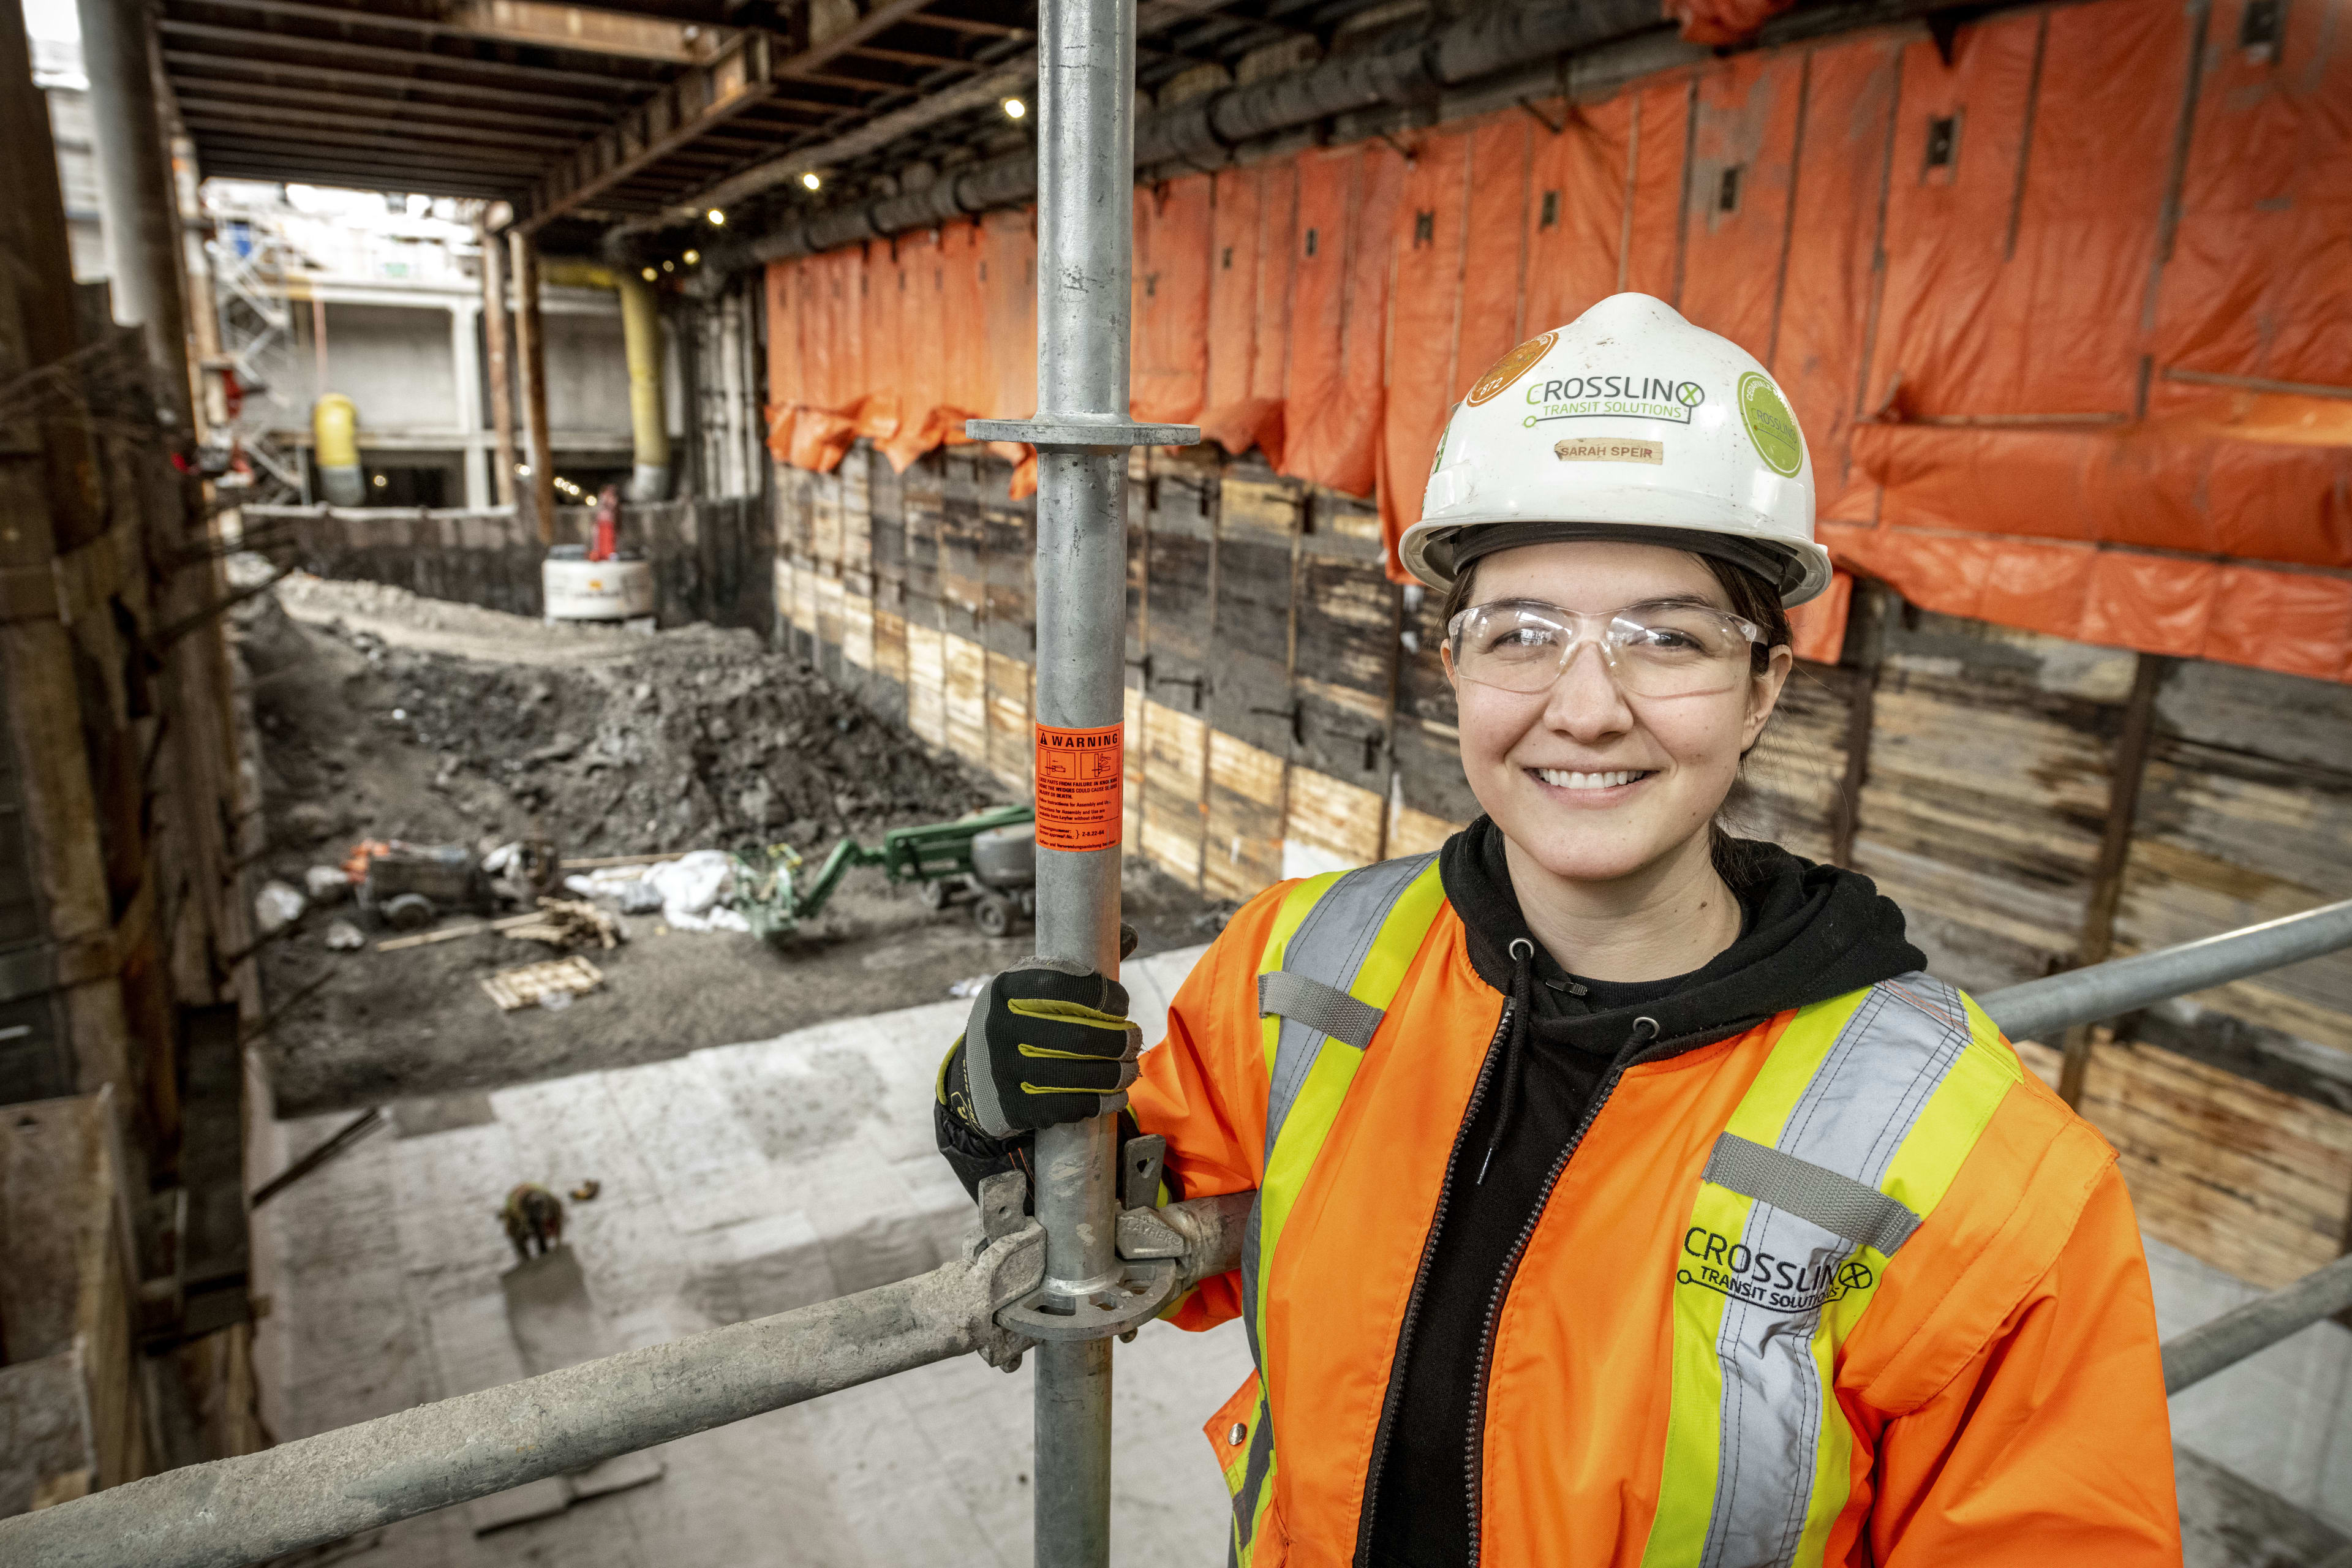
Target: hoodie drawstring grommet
[(1523, 965)]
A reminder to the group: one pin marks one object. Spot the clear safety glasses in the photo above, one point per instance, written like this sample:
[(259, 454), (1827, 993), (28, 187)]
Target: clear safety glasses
[(1664, 649)]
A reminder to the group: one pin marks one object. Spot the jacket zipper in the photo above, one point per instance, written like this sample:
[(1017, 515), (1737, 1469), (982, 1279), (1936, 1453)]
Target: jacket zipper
[(1473, 1470), (1385, 1429)]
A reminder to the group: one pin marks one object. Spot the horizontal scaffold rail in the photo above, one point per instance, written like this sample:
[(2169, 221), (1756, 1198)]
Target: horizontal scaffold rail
[(236, 1512)]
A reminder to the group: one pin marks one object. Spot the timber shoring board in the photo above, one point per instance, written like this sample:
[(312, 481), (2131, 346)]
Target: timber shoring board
[(1175, 760), (1243, 852), (2250, 1179), (967, 699)]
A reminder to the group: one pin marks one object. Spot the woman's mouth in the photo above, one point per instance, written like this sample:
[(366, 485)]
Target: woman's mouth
[(1568, 779)]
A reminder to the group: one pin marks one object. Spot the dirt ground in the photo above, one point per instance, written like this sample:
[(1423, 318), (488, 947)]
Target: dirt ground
[(382, 715)]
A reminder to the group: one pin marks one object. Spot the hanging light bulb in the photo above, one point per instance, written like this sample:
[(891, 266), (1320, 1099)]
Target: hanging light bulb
[(811, 180), (718, 219), (692, 256), (1014, 108), (649, 274)]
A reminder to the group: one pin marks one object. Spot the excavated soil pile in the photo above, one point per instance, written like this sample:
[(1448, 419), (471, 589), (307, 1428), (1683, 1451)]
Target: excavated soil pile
[(382, 715), (695, 739)]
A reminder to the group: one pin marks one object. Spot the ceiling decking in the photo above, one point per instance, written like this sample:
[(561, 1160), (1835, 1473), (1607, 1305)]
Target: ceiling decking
[(642, 110)]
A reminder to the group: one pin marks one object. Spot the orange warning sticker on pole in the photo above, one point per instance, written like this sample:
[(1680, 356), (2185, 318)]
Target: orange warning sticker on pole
[(1080, 775)]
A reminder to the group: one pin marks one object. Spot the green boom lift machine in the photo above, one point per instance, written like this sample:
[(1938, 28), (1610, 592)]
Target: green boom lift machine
[(989, 859)]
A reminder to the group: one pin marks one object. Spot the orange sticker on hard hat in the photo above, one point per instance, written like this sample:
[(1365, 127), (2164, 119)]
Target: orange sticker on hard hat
[(1510, 367), (1080, 791)]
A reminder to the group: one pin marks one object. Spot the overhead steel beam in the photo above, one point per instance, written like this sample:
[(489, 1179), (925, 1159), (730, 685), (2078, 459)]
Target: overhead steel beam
[(294, 106), (207, 65), (381, 172), (450, 25), (225, 116), (342, 49), (362, 180), (888, 13), (1008, 82), (700, 98), (520, 161)]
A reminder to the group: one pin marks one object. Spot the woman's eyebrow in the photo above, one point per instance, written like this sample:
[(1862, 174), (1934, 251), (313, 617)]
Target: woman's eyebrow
[(1671, 601)]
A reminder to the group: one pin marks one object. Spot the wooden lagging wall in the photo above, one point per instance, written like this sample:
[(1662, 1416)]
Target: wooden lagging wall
[(1287, 713)]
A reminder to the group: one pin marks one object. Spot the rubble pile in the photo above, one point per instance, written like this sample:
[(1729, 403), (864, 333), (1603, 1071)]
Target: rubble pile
[(696, 738)]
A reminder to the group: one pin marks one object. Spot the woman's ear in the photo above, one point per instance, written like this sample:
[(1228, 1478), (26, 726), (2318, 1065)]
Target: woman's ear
[(1445, 658), (1764, 692)]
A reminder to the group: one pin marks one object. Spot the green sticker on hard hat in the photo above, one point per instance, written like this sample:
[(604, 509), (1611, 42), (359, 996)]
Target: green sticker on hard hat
[(1770, 425)]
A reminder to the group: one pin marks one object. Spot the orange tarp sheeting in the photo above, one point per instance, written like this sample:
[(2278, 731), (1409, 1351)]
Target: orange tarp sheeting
[(2068, 323), (1348, 203), (1168, 371), (1249, 307)]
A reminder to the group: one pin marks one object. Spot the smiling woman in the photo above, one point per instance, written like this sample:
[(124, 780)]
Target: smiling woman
[(1626, 1193)]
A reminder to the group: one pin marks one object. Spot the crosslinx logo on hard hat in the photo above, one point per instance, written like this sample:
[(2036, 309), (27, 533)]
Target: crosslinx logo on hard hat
[(1628, 423), (1603, 396)]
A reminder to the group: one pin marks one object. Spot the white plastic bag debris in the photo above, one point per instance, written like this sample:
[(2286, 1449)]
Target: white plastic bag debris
[(691, 883), (505, 858), (640, 896), (972, 987), (277, 905), (344, 937), (326, 884)]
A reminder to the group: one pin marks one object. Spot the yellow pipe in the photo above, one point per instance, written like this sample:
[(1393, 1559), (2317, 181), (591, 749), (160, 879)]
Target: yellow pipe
[(335, 443), (576, 274), (641, 337)]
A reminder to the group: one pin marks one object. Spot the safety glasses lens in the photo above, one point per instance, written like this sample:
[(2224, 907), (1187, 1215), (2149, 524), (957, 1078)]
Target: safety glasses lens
[(1668, 650)]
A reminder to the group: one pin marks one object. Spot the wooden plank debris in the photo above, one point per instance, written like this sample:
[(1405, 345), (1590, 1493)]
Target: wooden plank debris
[(529, 984)]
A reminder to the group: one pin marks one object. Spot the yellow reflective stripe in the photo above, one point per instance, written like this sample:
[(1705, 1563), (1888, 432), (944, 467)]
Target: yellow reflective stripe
[(1236, 1469), (1956, 1116), (1393, 951), (1311, 1115), (1919, 1174), (1764, 1111), (1922, 1170), (1318, 1103), (1695, 1410)]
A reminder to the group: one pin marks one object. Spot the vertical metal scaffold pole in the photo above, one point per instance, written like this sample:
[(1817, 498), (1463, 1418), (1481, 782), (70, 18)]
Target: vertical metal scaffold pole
[(1086, 182)]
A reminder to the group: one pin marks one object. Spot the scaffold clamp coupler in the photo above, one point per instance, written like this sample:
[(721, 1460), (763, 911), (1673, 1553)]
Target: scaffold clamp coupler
[(1082, 434)]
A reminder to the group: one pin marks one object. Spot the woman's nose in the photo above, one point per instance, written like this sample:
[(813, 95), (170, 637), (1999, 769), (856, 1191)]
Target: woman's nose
[(1585, 700)]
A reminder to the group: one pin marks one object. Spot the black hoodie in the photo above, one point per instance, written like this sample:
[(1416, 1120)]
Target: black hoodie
[(1808, 933)]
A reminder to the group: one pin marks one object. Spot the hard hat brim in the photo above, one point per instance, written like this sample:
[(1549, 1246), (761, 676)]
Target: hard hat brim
[(1435, 552)]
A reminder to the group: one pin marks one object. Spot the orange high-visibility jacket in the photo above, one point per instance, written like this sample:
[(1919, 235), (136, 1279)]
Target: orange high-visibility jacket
[(1994, 1388)]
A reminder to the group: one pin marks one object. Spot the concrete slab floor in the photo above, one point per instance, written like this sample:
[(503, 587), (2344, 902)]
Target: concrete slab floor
[(734, 1182), (744, 1179)]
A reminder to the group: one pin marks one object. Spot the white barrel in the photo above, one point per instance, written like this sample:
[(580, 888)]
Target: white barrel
[(596, 590)]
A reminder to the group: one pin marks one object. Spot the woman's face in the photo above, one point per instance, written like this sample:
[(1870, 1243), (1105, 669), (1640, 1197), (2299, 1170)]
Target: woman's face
[(1654, 770)]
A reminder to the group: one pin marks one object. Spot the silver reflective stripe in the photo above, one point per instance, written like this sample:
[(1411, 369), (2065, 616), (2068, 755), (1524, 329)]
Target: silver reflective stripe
[(1861, 1102), (1329, 946), (1327, 949), (1319, 1006), (1835, 1202), (1261, 1456)]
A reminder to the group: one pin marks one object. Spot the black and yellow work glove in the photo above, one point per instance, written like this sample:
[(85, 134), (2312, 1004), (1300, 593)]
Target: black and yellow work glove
[(1047, 1042)]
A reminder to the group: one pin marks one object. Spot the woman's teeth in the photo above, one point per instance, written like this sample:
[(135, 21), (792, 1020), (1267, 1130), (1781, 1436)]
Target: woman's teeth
[(1561, 778)]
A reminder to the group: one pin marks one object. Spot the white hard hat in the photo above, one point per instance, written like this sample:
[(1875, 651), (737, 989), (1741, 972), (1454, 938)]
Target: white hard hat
[(1628, 422)]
